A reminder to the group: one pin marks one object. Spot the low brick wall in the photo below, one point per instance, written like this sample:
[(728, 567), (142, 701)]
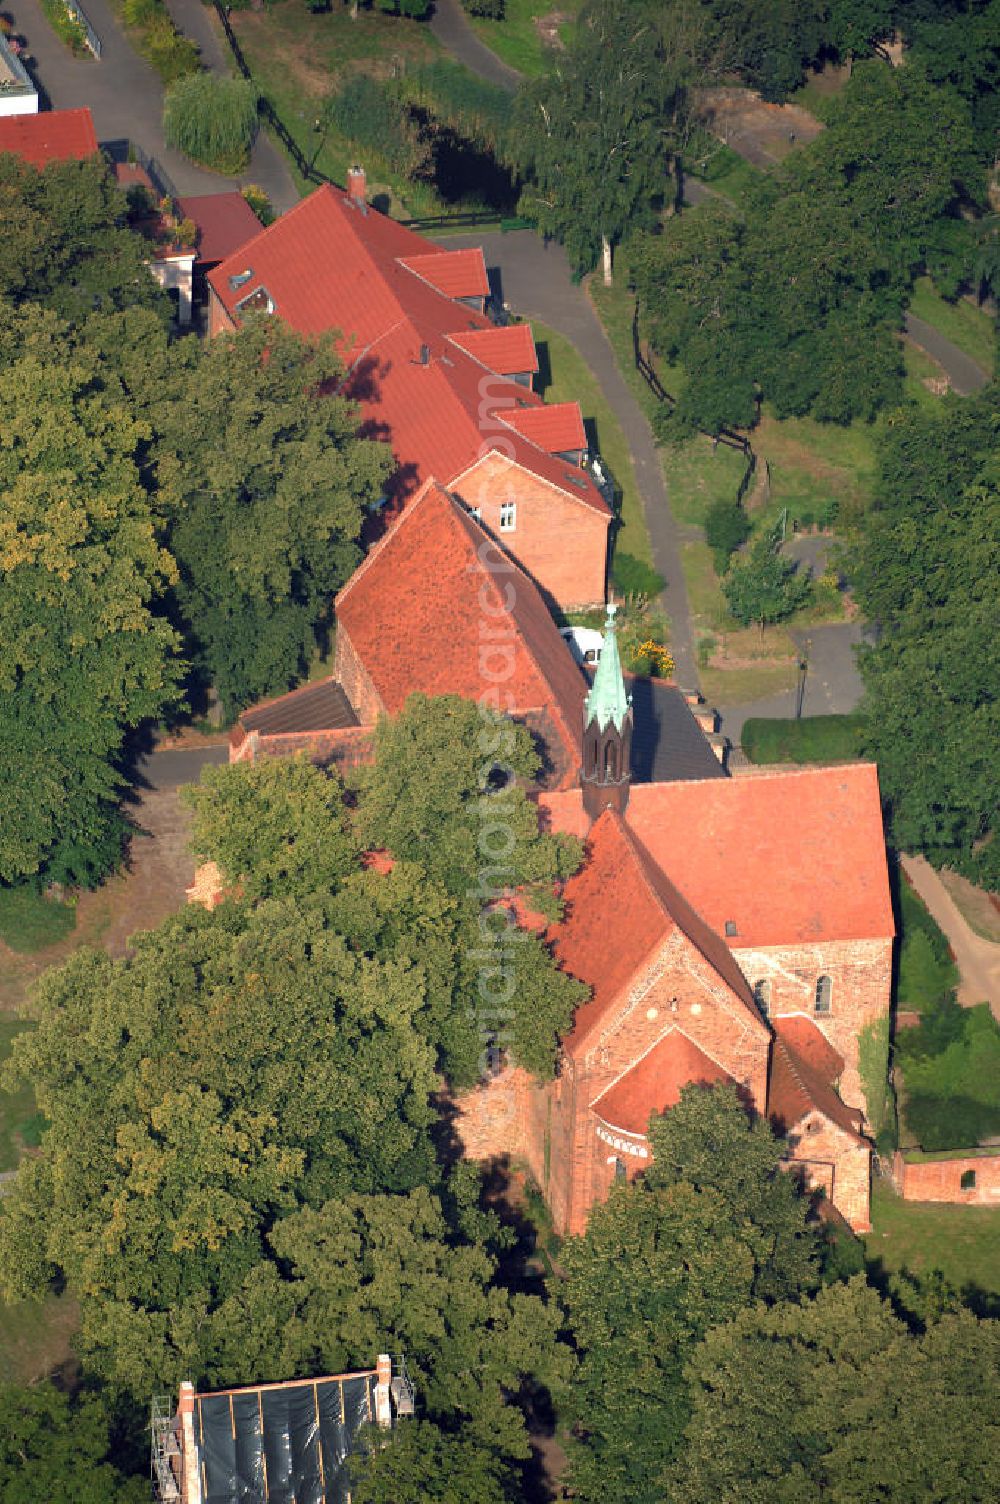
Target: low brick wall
[(971, 1178)]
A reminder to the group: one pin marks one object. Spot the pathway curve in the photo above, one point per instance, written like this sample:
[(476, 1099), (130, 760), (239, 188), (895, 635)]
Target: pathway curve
[(965, 375), (536, 281), (978, 959), (123, 93), (451, 26)]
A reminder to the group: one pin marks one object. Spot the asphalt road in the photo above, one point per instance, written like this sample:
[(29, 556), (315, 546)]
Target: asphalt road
[(964, 374), (450, 25), (173, 766)]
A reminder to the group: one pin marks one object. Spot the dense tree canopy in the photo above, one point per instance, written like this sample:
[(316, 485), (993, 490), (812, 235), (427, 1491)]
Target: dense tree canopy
[(925, 571), (56, 1449), (66, 243), (592, 138), (713, 1225), (835, 1399), (799, 295), (82, 658)]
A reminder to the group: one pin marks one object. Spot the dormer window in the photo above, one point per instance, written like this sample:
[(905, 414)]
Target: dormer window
[(240, 279), (258, 301), (731, 929)]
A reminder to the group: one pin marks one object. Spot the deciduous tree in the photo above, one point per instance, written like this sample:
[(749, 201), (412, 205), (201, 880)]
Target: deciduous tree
[(57, 1449)]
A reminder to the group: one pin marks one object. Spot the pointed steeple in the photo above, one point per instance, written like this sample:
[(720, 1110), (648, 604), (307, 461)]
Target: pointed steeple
[(607, 732), (607, 701)]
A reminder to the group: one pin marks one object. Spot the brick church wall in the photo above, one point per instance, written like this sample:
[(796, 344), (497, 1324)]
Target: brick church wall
[(351, 673), (831, 1160), (561, 542), (861, 974), (941, 1179)]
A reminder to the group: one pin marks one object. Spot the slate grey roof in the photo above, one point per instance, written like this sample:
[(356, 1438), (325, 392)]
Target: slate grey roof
[(668, 745), (315, 707)]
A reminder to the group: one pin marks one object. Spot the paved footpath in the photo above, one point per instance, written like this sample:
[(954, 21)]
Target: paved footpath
[(964, 374), (451, 26), (125, 97), (978, 959), (536, 282)]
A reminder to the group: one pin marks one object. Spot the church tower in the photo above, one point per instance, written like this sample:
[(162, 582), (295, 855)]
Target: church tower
[(607, 732)]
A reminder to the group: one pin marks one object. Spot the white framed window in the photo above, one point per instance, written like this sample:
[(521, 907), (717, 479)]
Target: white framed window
[(824, 994), (508, 516)]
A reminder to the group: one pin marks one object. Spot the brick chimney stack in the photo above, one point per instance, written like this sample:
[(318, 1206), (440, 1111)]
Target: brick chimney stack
[(383, 1406), (190, 1479), (357, 186)]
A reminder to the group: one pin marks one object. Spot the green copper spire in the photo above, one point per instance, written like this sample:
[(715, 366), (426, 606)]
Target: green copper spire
[(607, 700)]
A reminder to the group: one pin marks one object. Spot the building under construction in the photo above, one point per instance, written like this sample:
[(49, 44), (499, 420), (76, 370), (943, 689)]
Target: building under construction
[(287, 1443)]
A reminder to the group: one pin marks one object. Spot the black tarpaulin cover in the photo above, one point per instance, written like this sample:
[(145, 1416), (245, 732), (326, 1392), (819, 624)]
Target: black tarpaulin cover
[(283, 1444)]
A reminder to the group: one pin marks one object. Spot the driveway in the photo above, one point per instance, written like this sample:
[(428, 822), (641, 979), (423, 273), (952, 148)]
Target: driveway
[(534, 278), (125, 97), (833, 685), (172, 766)]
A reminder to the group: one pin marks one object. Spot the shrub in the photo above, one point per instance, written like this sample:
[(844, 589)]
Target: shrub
[(727, 526), (212, 120), (66, 28), (815, 738), (173, 56), (492, 10), (367, 112), (633, 576), (259, 203)]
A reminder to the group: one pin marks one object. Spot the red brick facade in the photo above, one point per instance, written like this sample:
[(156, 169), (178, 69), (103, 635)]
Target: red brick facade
[(349, 671), (942, 1179), (860, 973), (562, 542)]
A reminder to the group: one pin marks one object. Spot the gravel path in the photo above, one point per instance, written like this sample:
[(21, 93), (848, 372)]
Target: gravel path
[(978, 959)]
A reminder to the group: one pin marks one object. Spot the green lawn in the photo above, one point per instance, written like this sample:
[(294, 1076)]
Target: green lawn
[(697, 476), (518, 40), (564, 376), (962, 1241), (721, 169), (816, 738), (969, 328), (29, 921), (18, 1121)]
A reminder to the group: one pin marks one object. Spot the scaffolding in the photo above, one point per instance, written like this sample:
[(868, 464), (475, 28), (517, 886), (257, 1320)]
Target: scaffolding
[(401, 1388), (164, 1452)]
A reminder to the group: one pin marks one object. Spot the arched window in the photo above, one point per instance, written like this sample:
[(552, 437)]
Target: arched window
[(590, 756), (610, 763), (620, 1171), (968, 1180), (762, 993), (824, 993)]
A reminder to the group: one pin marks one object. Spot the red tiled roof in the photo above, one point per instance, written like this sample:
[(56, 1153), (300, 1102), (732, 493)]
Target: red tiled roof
[(620, 908), (801, 1081), (655, 1083), (508, 351), (414, 612), (557, 429), (457, 274), (225, 222), (788, 857), (328, 266), (49, 136)]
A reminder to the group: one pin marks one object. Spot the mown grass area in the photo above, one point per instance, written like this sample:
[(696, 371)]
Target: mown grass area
[(697, 476), (19, 1125), (298, 57), (815, 738), (971, 329), (564, 376), (962, 1241), (721, 169), (975, 905), (29, 921), (517, 40), (35, 1338)]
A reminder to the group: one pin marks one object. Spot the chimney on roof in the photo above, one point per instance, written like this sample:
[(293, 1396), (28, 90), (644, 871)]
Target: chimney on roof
[(357, 186)]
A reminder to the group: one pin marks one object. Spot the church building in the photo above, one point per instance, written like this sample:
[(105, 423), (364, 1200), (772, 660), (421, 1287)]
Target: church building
[(733, 929)]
